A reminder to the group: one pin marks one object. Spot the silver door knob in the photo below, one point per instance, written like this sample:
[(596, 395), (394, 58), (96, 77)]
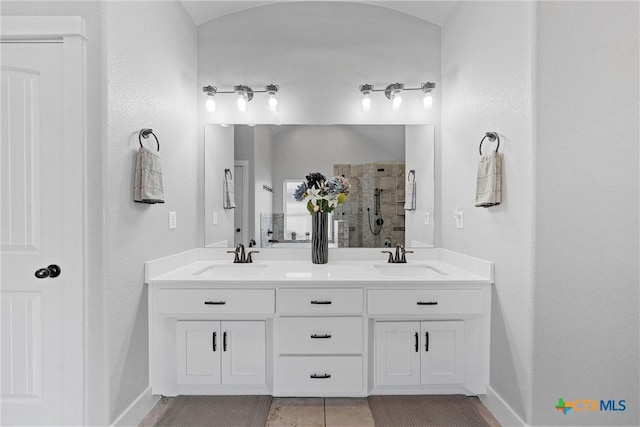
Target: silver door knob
[(51, 271)]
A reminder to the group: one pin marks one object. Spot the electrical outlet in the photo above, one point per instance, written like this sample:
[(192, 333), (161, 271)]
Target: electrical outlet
[(173, 221), (214, 218)]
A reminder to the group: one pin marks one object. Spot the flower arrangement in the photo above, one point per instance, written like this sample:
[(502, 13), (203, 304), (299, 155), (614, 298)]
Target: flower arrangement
[(322, 195)]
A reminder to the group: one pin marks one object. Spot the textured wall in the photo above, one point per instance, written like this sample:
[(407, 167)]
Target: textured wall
[(152, 62), (487, 61), (586, 290), (319, 53)]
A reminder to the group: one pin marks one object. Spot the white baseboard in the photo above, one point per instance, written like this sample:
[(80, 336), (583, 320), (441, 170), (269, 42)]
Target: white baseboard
[(137, 410), (505, 415)]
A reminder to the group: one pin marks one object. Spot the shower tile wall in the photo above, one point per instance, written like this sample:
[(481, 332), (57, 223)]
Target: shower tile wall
[(360, 208)]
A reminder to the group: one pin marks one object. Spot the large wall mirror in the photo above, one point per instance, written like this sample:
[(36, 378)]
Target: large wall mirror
[(251, 172)]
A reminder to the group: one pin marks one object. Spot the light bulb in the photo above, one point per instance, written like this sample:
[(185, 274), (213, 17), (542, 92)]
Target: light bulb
[(428, 100), (366, 102), (210, 104), (241, 101), (396, 101), (273, 102)]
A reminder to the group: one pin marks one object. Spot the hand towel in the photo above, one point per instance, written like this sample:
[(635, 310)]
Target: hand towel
[(147, 185), (410, 195), (229, 196), (489, 181)]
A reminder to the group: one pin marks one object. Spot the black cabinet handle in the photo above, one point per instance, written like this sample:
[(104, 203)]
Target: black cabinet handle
[(215, 302), (213, 339), (417, 342), (224, 341), (320, 336), (426, 341), (320, 377), (320, 302), (427, 302), (51, 271)]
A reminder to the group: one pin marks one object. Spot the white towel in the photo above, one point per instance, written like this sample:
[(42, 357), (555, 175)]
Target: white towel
[(229, 196), (489, 181), (410, 195), (147, 187)]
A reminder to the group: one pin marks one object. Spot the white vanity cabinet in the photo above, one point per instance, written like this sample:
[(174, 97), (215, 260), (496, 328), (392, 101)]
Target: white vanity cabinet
[(412, 353), (320, 342), (227, 352)]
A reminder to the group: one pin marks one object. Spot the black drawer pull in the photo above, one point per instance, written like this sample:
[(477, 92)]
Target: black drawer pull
[(320, 377), (321, 302), (213, 339), (427, 302), (426, 341), (224, 341), (215, 302), (417, 342), (320, 336)]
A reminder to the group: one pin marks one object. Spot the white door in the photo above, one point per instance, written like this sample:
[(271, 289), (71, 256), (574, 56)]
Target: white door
[(442, 352), (243, 352), (199, 347), (397, 353), (32, 234)]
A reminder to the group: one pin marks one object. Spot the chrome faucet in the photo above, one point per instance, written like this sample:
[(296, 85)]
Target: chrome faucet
[(400, 255), (239, 255)]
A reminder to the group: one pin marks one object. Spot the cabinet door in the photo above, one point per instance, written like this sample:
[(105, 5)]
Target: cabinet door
[(243, 352), (397, 353), (442, 350), (198, 352)]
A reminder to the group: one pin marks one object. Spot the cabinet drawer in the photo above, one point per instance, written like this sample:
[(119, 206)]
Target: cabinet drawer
[(320, 375), (320, 301), (425, 301), (320, 335), (216, 301)]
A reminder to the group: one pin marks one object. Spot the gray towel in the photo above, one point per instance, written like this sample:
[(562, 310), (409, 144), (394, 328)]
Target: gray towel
[(148, 186), (489, 181), (229, 194)]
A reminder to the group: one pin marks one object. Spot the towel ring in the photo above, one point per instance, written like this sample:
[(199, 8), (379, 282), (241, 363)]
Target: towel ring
[(492, 137), (144, 133), (227, 173), (411, 176)]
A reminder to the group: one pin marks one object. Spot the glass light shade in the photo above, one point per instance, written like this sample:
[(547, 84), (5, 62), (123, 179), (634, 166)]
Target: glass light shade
[(396, 100), (366, 102), (273, 102), (428, 100), (210, 105), (241, 101)]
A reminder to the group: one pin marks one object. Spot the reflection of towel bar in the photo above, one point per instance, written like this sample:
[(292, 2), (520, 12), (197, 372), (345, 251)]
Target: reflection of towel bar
[(492, 137), (144, 133)]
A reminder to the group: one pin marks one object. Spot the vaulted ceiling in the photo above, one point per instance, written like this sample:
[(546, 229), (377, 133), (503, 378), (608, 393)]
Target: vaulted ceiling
[(432, 11)]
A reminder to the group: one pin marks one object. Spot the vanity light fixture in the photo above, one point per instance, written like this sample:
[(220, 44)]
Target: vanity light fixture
[(394, 92), (244, 94)]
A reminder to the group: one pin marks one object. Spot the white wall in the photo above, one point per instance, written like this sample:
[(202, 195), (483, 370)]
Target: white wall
[(263, 175), (487, 83), (586, 288), (151, 75), (319, 53)]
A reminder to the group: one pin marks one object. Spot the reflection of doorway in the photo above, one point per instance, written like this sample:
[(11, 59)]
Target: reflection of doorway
[(241, 212)]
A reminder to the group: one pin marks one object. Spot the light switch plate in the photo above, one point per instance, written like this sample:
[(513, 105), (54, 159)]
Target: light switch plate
[(214, 218), (173, 221), (427, 218)]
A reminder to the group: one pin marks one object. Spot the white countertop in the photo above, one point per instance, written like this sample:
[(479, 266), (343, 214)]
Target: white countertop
[(201, 266)]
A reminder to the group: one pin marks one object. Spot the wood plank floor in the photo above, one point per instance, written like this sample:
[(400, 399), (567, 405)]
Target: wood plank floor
[(311, 412)]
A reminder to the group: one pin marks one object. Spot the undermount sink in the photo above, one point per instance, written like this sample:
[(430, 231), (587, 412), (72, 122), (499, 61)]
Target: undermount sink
[(406, 269), (230, 268)]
